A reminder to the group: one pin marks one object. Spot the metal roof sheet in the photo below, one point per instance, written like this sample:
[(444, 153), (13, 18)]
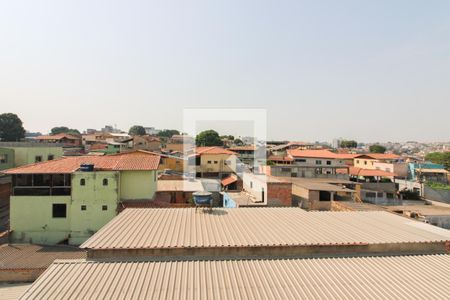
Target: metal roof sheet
[(396, 277), (257, 227), (26, 256)]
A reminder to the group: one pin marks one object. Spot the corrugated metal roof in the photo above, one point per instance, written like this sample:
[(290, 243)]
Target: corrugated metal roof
[(26, 256), (184, 227), (13, 291), (397, 277)]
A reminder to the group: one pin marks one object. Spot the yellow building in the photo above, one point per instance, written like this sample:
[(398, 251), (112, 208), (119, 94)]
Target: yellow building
[(369, 160), (212, 162)]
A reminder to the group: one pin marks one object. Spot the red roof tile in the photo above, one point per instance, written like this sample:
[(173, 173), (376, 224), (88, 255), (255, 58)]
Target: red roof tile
[(67, 165), (213, 150), (229, 180), (380, 155), (355, 171), (59, 136)]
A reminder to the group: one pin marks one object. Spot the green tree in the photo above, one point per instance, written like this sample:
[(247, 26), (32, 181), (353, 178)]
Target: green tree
[(63, 129), (208, 138), (168, 133), (11, 127), (227, 137), (348, 144), (238, 142), (442, 158), (136, 130), (377, 149)]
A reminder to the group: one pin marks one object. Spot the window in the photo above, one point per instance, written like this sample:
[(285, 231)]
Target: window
[(300, 160), (328, 162), (82, 181), (357, 161), (293, 174), (318, 162), (215, 162), (251, 184), (390, 195), (59, 211), (38, 158), (285, 170), (209, 162), (50, 157), (3, 158), (365, 162), (371, 195), (83, 207), (104, 207), (105, 181)]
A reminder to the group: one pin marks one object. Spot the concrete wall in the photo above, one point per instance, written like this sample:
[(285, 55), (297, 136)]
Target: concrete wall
[(279, 194), (436, 194), (27, 155), (31, 219), (95, 197), (6, 155), (305, 172), (319, 162), (401, 169), (220, 166), (228, 202), (137, 185)]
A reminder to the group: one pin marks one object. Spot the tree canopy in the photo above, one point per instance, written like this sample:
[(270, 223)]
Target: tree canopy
[(238, 142), (377, 149), (137, 130), (227, 137), (208, 138), (442, 158), (11, 127), (348, 144), (168, 133), (63, 129)]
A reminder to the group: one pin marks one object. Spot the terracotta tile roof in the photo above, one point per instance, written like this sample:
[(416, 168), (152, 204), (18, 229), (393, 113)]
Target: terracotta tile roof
[(380, 155), (355, 171), (67, 165), (242, 148), (229, 180), (213, 150), (280, 158), (59, 136), (313, 153)]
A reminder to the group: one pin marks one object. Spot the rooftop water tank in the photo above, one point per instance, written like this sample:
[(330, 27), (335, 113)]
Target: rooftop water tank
[(202, 198)]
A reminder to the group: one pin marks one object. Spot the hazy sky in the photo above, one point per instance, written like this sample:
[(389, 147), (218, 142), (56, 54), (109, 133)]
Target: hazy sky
[(369, 70)]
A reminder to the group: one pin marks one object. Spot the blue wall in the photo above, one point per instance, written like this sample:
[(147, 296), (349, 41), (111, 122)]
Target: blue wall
[(228, 202)]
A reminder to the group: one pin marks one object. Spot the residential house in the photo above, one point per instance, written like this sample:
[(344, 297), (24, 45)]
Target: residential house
[(146, 142), (369, 160), (310, 164), (321, 193), (212, 162), (246, 154), (68, 199), (16, 154), (67, 140), (259, 190), (427, 172)]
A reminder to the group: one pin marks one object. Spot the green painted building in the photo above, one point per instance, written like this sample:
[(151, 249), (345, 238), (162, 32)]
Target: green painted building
[(16, 154), (57, 202)]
